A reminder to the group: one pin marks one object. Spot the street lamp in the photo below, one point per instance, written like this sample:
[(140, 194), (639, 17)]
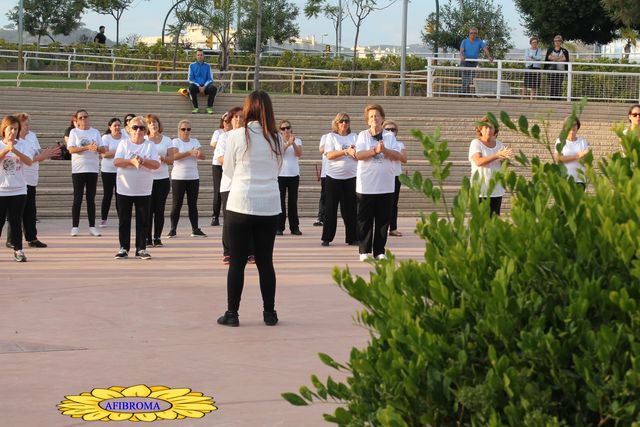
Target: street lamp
[(20, 30), (403, 57)]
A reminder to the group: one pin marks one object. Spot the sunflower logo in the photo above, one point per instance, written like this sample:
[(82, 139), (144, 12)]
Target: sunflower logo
[(137, 403)]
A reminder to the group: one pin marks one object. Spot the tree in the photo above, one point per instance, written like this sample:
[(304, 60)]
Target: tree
[(48, 18), (627, 12), (586, 21), (278, 23), (331, 11), (457, 16), (114, 8)]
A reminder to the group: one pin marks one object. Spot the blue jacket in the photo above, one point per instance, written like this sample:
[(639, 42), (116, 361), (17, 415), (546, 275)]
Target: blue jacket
[(200, 74)]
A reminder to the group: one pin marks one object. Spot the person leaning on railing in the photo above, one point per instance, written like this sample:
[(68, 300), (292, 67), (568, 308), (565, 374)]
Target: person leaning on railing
[(558, 57), (532, 72), (470, 50)]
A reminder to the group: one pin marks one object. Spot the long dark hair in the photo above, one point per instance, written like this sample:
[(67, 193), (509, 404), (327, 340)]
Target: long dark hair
[(109, 123), (258, 107)]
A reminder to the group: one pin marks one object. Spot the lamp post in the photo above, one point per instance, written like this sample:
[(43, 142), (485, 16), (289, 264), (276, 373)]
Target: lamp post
[(20, 31), (339, 35), (256, 74), (403, 57)]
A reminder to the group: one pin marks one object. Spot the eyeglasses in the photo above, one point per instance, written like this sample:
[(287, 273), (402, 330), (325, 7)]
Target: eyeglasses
[(185, 129), (285, 128), (344, 121), (136, 127), (634, 114), (391, 129), (83, 117), (558, 40)]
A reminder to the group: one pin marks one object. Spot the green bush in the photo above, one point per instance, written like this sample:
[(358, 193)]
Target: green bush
[(532, 319)]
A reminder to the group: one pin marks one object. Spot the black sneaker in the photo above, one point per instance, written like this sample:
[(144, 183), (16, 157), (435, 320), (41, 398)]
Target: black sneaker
[(198, 233), (149, 242), (325, 243), (229, 318), (143, 254), (19, 256), (9, 245), (171, 234), (37, 244), (215, 221), (296, 232), (270, 317), (318, 223), (122, 254), (157, 242)]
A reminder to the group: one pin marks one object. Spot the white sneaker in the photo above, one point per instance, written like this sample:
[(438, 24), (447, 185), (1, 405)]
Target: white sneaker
[(75, 231), (94, 232), (364, 257), (381, 257)]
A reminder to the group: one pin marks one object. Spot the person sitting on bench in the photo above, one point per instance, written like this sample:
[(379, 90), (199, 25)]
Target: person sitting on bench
[(201, 81)]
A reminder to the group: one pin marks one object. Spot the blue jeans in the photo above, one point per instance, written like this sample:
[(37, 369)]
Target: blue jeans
[(467, 75)]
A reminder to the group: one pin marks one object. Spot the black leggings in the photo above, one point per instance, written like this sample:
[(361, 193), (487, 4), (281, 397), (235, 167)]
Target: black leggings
[(342, 192), (108, 189), (216, 171), (289, 184), (179, 187), (374, 214), (157, 205), (241, 230), (494, 204), (142, 215), (12, 207), (393, 224), (28, 217), (321, 202), (88, 180)]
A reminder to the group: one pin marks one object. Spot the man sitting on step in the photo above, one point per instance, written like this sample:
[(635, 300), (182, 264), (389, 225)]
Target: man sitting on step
[(201, 81)]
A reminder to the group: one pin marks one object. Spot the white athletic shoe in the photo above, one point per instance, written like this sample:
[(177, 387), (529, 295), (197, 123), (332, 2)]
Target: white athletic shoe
[(364, 257), (75, 231), (381, 257), (94, 232)]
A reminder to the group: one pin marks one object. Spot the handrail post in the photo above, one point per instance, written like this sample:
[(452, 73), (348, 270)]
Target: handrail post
[(499, 80), (88, 82), (369, 85), (69, 66), (302, 84), (231, 82), (159, 82), (338, 85), (246, 81), (113, 68), (569, 81), (18, 80), (24, 59), (429, 77)]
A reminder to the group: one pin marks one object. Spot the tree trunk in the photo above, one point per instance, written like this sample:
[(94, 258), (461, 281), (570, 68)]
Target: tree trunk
[(355, 58), (175, 46), (117, 31), (437, 28)]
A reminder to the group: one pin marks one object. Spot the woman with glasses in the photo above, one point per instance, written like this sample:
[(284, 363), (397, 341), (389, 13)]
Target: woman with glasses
[(557, 56), (108, 172), (391, 126), (85, 146), (136, 158), (185, 178), (634, 120), (340, 186), (161, 183), (252, 161), (289, 179), (14, 156), (533, 56), (216, 166), (376, 152)]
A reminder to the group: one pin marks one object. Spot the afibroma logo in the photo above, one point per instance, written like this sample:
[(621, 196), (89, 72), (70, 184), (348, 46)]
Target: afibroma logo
[(137, 403)]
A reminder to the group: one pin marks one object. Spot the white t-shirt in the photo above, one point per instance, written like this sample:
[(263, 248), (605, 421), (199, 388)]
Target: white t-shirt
[(214, 138), (135, 181), (571, 148), (290, 164), (85, 161), (111, 144), (31, 173), (375, 175), (221, 148), (186, 168), (323, 170), (485, 172), (344, 167), (161, 148), (397, 165), (12, 182), (253, 170)]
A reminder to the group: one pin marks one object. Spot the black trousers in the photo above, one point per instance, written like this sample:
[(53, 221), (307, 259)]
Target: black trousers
[(241, 230), (340, 192), (555, 85), (321, 202), (141, 204), (289, 184), (494, 204), (157, 205), (209, 90), (84, 181), (374, 214), (12, 208), (393, 223), (179, 187), (224, 196), (108, 190), (216, 172), (28, 217)]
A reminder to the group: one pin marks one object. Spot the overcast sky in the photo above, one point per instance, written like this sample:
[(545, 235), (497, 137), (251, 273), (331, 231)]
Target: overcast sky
[(382, 27)]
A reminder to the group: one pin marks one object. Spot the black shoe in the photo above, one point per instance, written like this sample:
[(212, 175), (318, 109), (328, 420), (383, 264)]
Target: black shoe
[(198, 233), (296, 232), (270, 317), (149, 242), (229, 318), (171, 234), (122, 254), (9, 245), (215, 221), (325, 243), (157, 242), (142, 254), (37, 244), (318, 223), (279, 232)]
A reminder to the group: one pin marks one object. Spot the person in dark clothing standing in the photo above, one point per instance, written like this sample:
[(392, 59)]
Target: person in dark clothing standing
[(100, 37), (557, 56)]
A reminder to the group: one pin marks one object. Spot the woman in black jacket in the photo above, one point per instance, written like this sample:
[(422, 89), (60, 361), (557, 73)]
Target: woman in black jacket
[(557, 56)]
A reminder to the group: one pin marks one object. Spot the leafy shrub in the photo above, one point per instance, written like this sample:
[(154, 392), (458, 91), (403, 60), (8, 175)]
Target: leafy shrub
[(528, 320)]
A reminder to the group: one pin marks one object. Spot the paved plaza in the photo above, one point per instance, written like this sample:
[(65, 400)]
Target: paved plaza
[(73, 319)]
